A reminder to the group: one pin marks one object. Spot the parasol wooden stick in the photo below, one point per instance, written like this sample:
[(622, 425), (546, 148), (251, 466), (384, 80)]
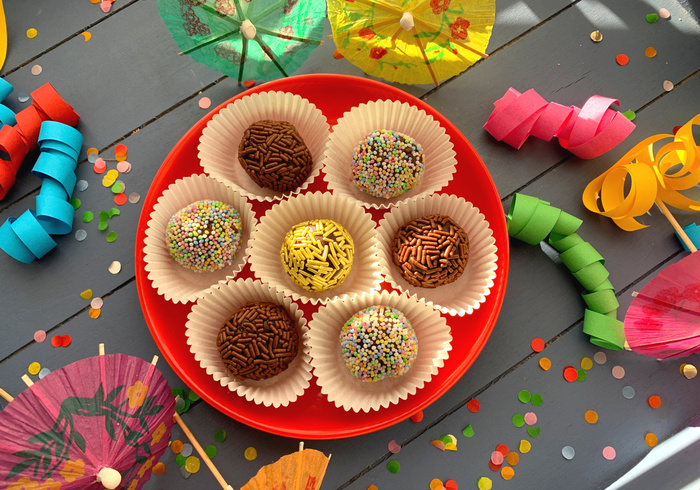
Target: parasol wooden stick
[(676, 226), (201, 452), (27, 380), (6, 396)]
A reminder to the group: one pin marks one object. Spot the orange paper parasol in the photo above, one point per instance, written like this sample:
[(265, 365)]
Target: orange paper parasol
[(302, 470)]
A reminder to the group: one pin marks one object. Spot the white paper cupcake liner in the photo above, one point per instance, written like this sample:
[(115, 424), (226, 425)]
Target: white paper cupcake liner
[(205, 320), (173, 281), (348, 392), (466, 294), (268, 237), (440, 162), (218, 145)]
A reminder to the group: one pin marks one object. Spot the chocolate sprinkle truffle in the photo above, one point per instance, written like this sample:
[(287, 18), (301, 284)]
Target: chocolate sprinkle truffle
[(317, 254), (274, 155), (204, 236), (377, 343), (258, 341), (387, 163), (430, 251)]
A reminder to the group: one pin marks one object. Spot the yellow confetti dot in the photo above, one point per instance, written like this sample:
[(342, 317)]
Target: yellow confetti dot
[(250, 453), (436, 484), (596, 36), (586, 363), (484, 483), (651, 439), (34, 368), (192, 464), (110, 178), (121, 158), (650, 52), (591, 416), (176, 446), (525, 446), (545, 363), (87, 294), (90, 151), (513, 458), (507, 472), (689, 371), (86, 35), (31, 33)]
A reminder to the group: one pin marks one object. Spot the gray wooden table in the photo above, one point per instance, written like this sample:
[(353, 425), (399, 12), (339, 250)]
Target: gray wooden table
[(130, 86)]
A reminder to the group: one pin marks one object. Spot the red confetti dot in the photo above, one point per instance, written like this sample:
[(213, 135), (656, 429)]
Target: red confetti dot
[(120, 150), (622, 59), (249, 83), (473, 406), (451, 485), (338, 55), (66, 340), (495, 467), (417, 417), (503, 449), (675, 129), (654, 401), (99, 169), (570, 374), (537, 344), (56, 341), (120, 199)]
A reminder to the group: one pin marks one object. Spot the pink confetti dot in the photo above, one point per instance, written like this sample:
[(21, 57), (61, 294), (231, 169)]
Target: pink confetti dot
[(530, 418), (124, 167), (618, 372), (394, 447), (39, 336), (204, 103), (106, 6), (609, 453), (496, 458)]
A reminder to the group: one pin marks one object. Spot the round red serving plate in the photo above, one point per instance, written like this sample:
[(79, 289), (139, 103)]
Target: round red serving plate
[(312, 416)]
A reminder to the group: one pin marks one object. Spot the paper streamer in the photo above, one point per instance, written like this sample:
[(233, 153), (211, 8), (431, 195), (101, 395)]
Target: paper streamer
[(3, 37), (693, 232), (29, 236), (532, 220), (587, 132), (19, 139), (650, 176)]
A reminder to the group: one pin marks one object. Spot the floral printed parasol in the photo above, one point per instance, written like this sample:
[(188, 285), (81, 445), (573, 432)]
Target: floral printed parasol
[(412, 41), (101, 422)]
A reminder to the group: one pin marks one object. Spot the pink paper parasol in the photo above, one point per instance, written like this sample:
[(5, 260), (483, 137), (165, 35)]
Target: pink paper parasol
[(101, 422), (664, 318)]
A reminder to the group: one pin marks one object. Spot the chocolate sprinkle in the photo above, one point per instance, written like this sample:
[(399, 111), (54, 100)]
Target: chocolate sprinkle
[(274, 155), (258, 341), (431, 251)]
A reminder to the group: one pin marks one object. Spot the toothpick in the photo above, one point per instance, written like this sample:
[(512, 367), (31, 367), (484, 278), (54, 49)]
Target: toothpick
[(27, 380), (4, 394), (681, 233), (101, 349), (154, 361)]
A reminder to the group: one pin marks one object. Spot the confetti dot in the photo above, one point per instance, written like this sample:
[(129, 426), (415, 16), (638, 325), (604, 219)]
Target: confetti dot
[(80, 235), (651, 439), (675, 129), (600, 357), (436, 484), (186, 450), (183, 471), (76, 203), (664, 13), (507, 473), (570, 374), (220, 435), (513, 458), (618, 372), (668, 85), (106, 6), (103, 226), (537, 344), (120, 150), (496, 458), (115, 267), (180, 459), (99, 170), (530, 418), (534, 431), (34, 368), (249, 83), (192, 396), (66, 340), (22, 97), (31, 33), (36, 70), (56, 341), (44, 372), (124, 167), (88, 216), (503, 449), (438, 444), (86, 35), (97, 160), (338, 55), (204, 103), (250, 453), (393, 447), (451, 485), (211, 451), (568, 452), (494, 467), (87, 294), (92, 151), (524, 396), (628, 392), (545, 363), (688, 370), (609, 453), (629, 114), (372, 487), (93, 313), (468, 431), (111, 236), (586, 363), (158, 468), (96, 303), (525, 446), (473, 405), (120, 199), (581, 375), (120, 158), (591, 416), (537, 400), (484, 483), (622, 59), (654, 401), (650, 52), (417, 417), (39, 336), (518, 420), (192, 464), (651, 18), (176, 446), (596, 36), (393, 466)]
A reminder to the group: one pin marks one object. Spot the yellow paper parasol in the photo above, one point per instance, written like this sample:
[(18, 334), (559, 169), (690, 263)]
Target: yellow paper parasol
[(412, 41), (302, 470)]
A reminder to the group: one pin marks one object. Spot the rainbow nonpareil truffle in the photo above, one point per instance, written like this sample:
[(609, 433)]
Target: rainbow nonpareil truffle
[(387, 163), (377, 343), (204, 236)]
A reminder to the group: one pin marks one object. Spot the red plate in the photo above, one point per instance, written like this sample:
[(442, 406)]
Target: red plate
[(312, 416)]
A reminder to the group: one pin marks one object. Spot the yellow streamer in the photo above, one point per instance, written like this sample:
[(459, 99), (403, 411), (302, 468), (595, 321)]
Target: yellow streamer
[(3, 36), (651, 176)]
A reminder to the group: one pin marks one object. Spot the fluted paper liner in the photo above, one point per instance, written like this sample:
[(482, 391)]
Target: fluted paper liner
[(218, 144), (211, 311), (173, 281), (466, 294), (268, 237), (348, 392), (440, 162)]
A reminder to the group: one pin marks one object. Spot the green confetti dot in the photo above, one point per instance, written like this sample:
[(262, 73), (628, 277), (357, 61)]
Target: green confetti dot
[(446, 439), (211, 450), (524, 396), (536, 399), (102, 226), (651, 18), (193, 397), (178, 392), (518, 420), (111, 236), (220, 435), (104, 216), (581, 375), (117, 188), (468, 431), (393, 466), (533, 431), (629, 114), (76, 203), (180, 460), (88, 216), (114, 212)]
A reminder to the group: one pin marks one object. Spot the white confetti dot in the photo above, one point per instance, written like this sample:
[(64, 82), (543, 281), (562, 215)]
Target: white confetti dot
[(115, 267), (186, 450), (44, 372), (96, 303), (80, 235), (628, 392), (568, 452), (134, 197), (36, 70), (22, 97), (92, 157), (668, 85), (81, 185)]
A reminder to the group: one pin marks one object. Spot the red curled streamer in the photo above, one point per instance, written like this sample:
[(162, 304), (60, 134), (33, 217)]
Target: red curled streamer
[(587, 132), (18, 140)]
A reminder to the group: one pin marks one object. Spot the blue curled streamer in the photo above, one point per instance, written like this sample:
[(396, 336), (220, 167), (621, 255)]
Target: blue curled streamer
[(7, 115), (29, 237)]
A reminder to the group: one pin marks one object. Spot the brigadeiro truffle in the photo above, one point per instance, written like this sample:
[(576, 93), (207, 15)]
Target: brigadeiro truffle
[(387, 163), (274, 155), (378, 342), (204, 236), (430, 251), (318, 254), (258, 341)]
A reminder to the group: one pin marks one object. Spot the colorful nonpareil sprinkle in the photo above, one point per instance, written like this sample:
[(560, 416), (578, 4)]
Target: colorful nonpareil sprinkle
[(378, 342), (111, 236), (22, 97), (88, 216), (468, 431), (622, 59), (654, 401), (503, 449), (545, 363), (537, 344), (628, 392), (36, 70), (449, 441), (473, 405), (438, 444), (44, 372), (570, 374), (372, 487), (96, 303), (337, 55), (121, 198), (180, 460), (568, 452), (609, 453), (387, 163), (75, 202), (393, 466), (124, 167), (250, 453), (591, 416), (651, 439), (86, 35), (618, 372), (417, 417), (134, 197)]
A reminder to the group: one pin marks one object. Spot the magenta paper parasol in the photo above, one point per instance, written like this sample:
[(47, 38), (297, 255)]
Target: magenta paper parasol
[(101, 422), (664, 318)]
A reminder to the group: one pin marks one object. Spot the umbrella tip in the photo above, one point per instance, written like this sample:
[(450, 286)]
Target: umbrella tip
[(109, 478)]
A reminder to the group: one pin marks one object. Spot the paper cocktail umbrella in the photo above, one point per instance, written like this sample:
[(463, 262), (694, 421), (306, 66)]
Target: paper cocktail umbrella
[(412, 41), (664, 318), (101, 422), (259, 39), (302, 470)]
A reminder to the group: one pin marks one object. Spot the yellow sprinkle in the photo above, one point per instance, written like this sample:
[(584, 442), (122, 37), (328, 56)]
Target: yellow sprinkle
[(34, 368), (31, 33), (525, 446), (87, 294), (250, 453), (484, 483), (586, 363), (192, 464)]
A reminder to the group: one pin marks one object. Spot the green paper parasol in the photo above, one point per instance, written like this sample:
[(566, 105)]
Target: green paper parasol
[(246, 39)]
